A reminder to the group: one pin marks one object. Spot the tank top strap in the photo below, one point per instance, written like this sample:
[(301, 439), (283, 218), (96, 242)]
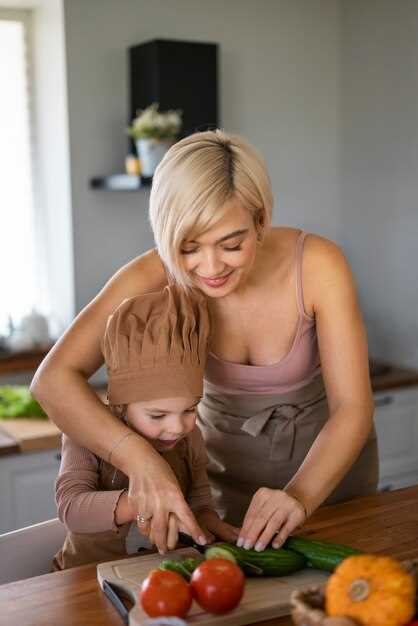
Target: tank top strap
[(299, 288)]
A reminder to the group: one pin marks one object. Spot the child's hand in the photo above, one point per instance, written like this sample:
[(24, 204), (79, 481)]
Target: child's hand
[(215, 528)]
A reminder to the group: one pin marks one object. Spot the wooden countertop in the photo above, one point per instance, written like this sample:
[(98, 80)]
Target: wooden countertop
[(385, 523), (30, 435), (8, 444), (22, 435), (394, 378)]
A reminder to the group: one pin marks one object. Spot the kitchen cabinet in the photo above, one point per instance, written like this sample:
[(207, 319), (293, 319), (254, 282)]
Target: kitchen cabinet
[(27, 488), (396, 419)]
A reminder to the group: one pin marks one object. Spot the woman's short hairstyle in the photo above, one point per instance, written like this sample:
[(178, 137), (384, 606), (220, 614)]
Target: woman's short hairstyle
[(191, 185)]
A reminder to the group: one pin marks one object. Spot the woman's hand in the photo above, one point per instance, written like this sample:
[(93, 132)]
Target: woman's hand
[(271, 512), (215, 528), (154, 494)]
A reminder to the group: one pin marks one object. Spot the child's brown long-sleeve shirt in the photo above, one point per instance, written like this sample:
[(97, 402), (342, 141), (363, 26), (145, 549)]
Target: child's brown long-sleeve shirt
[(88, 489)]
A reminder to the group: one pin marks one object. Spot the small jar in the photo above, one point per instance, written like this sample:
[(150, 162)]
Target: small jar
[(132, 165)]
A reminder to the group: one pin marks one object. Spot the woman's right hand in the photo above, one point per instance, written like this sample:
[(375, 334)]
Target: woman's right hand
[(154, 493)]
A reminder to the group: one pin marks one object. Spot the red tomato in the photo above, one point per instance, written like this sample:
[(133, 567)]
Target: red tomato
[(165, 593), (218, 585)]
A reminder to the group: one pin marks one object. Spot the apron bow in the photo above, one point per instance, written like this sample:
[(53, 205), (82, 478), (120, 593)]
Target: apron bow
[(284, 434)]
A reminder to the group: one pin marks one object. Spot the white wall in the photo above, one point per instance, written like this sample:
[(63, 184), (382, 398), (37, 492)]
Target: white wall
[(379, 218), (279, 86)]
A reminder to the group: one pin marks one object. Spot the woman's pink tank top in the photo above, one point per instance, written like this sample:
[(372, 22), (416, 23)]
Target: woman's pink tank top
[(295, 370)]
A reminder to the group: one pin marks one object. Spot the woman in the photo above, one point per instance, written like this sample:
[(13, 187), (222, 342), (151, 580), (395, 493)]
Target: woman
[(287, 411)]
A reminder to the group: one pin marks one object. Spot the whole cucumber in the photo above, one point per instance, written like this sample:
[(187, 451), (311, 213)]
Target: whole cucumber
[(322, 555)]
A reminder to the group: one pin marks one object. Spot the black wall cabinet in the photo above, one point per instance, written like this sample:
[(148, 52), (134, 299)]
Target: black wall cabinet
[(177, 75)]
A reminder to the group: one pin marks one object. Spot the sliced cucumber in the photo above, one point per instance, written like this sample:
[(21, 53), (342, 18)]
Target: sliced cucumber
[(269, 562)]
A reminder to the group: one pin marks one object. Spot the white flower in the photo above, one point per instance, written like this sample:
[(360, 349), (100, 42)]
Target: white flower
[(173, 118), (152, 123)]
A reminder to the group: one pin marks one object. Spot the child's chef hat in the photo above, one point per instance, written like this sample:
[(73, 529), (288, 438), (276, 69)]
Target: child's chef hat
[(155, 346)]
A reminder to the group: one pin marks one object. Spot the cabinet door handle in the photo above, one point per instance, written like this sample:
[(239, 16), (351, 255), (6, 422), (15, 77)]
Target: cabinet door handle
[(384, 401)]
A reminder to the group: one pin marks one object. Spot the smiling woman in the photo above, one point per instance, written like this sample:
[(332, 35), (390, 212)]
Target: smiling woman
[(286, 378), (221, 262), (207, 178)]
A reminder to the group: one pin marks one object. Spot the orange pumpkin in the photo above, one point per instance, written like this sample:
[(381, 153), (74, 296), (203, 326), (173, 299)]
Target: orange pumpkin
[(375, 590)]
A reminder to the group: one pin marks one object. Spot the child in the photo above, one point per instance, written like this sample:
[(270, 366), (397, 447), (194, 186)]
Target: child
[(155, 348)]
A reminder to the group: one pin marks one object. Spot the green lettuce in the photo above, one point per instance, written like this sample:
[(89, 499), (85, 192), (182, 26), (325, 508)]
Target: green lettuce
[(17, 401)]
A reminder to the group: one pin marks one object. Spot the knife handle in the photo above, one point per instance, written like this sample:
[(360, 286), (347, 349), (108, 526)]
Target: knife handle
[(188, 541)]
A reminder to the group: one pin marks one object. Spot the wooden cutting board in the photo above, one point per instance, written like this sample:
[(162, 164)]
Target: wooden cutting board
[(264, 598)]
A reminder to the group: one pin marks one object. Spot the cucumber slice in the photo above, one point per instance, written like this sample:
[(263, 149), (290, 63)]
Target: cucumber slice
[(216, 552)]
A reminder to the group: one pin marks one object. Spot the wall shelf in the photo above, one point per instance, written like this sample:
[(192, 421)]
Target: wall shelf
[(120, 182)]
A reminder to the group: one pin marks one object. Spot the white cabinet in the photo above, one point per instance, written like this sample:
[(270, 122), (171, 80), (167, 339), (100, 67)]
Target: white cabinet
[(396, 419), (27, 488)]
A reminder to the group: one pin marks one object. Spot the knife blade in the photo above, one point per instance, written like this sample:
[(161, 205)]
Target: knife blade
[(111, 592)]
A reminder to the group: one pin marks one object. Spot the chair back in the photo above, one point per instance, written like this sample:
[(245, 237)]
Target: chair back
[(29, 551)]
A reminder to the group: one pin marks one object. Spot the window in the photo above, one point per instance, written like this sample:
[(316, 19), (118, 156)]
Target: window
[(22, 278), (36, 247)]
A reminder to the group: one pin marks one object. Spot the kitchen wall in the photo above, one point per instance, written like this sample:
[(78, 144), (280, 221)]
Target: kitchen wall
[(379, 175), (279, 86), (327, 90)]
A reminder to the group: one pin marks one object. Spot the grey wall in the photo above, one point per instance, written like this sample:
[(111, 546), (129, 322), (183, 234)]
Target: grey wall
[(379, 158), (279, 86)]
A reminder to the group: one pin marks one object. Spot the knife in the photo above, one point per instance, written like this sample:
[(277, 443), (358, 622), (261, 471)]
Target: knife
[(188, 541), (111, 592)]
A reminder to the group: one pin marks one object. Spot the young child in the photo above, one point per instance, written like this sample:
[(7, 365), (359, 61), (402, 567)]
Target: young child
[(155, 348)]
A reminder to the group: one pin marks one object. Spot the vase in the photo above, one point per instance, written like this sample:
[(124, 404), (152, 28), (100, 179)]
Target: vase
[(151, 152)]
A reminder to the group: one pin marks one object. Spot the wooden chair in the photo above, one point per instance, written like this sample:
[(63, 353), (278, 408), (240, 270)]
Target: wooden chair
[(29, 551)]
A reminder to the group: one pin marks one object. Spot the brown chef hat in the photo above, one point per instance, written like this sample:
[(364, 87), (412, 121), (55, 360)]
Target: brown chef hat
[(155, 346)]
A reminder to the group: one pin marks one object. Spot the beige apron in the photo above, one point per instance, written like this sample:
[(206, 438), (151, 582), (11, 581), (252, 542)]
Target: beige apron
[(258, 441), (83, 548)]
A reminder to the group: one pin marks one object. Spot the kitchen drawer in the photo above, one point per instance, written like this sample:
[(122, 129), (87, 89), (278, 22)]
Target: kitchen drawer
[(27, 488)]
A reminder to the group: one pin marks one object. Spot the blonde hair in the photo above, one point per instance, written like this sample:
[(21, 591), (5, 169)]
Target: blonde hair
[(191, 185)]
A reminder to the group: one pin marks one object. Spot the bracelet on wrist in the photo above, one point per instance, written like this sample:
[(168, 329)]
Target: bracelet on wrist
[(117, 444)]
